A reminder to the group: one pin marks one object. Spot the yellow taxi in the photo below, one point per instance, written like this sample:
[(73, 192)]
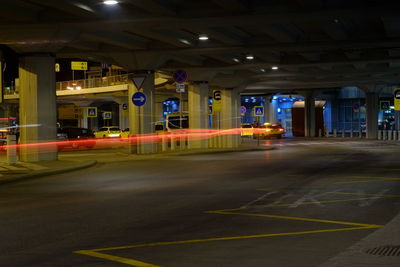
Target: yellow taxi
[(125, 133), (108, 131), (246, 129), (269, 130)]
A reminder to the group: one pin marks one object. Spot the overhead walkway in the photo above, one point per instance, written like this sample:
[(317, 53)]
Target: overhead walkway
[(106, 84)]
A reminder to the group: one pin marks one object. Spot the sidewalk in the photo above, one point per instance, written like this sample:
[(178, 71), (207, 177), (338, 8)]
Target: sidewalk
[(80, 159), (24, 170), (381, 248)]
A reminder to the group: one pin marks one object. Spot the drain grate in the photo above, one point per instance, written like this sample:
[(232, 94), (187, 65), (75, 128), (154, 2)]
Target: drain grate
[(384, 251)]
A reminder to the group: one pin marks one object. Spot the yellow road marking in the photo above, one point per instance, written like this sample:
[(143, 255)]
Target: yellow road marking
[(294, 218), (96, 252), (192, 241), (109, 257)]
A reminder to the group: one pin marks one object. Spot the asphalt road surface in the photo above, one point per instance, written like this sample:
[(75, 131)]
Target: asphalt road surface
[(297, 205)]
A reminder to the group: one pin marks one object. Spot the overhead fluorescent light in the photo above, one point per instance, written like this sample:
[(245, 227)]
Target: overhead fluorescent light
[(203, 37), (110, 2)]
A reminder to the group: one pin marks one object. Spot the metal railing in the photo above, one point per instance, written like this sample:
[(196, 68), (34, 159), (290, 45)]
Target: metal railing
[(83, 84), (93, 82)]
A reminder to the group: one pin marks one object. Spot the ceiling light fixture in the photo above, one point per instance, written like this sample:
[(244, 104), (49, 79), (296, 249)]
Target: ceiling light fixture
[(203, 37), (110, 2), (274, 68), (250, 57)]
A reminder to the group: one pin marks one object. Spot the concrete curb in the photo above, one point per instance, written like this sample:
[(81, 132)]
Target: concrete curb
[(191, 153), (37, 174)]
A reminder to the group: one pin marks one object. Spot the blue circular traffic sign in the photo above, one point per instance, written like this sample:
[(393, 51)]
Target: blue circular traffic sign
[(139, 99), (180, 76)]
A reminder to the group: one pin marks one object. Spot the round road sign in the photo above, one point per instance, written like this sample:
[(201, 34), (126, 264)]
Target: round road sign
[(180, 76), (139, 99)]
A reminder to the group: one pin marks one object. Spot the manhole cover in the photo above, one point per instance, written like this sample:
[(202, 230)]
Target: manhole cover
[(384, 251)]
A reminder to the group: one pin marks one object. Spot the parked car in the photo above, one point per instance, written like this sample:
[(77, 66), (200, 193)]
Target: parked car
[(75, 137), (108, 131)]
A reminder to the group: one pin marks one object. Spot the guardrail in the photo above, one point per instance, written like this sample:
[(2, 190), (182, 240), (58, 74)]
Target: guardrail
[(84, 84)]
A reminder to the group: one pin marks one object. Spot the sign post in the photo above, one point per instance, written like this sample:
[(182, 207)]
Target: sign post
[(258, 111), (180, 76), (384, 105), (138, 81), (78, 65), (139, 99), (107, 115), (242, 110), (91, 112), (397, 99)]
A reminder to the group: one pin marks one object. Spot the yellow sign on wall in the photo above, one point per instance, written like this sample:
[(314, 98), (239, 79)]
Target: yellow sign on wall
[(79, 65), (216, 101), (396, 98)]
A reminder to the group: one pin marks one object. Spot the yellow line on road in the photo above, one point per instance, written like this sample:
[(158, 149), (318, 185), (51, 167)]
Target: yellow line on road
[(192, 241), (127, 261), (132, 262), (295, 218)]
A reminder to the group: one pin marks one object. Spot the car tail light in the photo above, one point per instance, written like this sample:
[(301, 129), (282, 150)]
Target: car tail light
[(281, 129)]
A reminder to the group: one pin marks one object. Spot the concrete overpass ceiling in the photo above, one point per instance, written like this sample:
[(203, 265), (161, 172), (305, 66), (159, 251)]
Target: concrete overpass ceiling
[(315, 43)]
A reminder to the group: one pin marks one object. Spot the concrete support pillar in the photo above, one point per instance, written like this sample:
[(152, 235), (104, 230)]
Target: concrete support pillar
[(397, 119), (270, 110), (1, 76), (123, 116), (198, 113), (372, 115), (84, 120), (267, 108), (141, 119), (309, 116), (159, 116), (115, 114), (230, 117), (38, 112)]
